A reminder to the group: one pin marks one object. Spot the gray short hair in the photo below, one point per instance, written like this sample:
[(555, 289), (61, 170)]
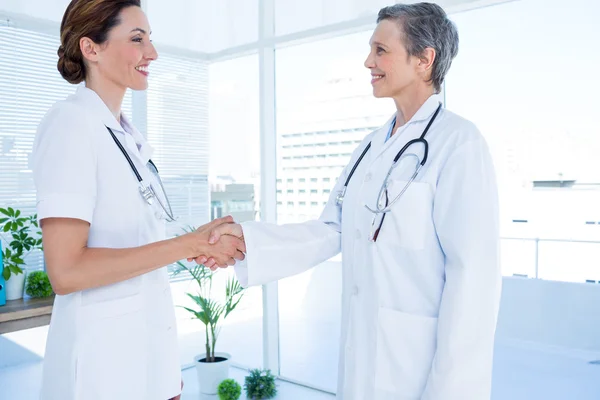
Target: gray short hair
[(426, 25)]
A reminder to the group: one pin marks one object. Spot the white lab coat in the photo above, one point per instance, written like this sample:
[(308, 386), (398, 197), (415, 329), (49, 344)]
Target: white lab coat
[(419, 306), (118, 341)]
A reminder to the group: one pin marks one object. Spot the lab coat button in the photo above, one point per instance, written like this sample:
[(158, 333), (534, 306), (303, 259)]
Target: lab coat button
[(358, 234), (368, 177), (355, 290)]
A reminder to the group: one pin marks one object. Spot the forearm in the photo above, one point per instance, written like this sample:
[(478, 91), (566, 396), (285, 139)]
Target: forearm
[(94, 267), (278, 251)]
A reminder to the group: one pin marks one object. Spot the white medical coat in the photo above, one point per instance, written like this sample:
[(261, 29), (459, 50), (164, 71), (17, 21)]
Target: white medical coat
[(419, 306), (117, 341)]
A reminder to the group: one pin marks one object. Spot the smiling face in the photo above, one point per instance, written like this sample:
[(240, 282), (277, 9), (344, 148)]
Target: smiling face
[(393, 70), (124, 58)]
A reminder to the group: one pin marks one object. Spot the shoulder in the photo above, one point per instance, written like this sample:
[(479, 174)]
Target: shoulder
[(460, 131), (66, 120)]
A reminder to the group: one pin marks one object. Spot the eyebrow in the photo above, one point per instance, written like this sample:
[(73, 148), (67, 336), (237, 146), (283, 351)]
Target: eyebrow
[(139, 30), (378, 43)]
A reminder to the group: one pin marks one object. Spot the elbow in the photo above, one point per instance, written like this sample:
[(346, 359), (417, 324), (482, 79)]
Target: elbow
[(61, 281)]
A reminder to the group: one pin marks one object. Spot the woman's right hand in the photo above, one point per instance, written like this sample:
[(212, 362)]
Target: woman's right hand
[(224, 251)]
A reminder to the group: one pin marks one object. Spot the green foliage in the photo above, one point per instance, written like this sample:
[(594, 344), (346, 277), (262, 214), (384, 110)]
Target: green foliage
[(229, 389), (260, 384), (25, 237), (38, 284), (208, 310)]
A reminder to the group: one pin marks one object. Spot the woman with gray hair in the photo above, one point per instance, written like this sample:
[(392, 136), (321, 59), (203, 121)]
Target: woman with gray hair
[(415, 214)]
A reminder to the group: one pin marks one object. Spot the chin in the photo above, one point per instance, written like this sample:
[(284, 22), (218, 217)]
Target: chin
[(139, 86), (379, 93)]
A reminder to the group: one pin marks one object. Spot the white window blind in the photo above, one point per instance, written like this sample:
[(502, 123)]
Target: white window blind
[(177, 116), (29, 85)]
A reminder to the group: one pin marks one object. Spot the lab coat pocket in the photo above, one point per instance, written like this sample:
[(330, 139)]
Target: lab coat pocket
[(112, 358), (406, 346), (405, 224)]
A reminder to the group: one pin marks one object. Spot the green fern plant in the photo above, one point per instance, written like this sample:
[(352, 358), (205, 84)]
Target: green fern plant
[(260, 384)]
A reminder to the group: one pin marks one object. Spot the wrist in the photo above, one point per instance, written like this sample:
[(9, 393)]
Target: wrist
[(194, 244)]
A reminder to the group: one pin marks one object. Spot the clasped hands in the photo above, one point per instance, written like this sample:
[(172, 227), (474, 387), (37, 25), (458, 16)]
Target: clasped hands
[(218, 244)]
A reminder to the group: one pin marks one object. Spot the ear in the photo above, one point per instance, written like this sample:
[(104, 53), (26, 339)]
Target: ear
[(426, 60), (89, 49)]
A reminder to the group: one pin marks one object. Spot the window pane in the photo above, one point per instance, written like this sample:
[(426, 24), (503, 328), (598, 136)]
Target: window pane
[(323, 109), (541, 127), (234, 177)]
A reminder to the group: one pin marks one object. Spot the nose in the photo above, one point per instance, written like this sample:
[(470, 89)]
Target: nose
[(370, 61), (152, 53)]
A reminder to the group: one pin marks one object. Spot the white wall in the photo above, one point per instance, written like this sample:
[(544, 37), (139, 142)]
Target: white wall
[(52, 10), (560, 314)]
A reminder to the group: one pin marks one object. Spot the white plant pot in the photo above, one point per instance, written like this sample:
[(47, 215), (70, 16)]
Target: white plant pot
[(210, 375), (15, 286)]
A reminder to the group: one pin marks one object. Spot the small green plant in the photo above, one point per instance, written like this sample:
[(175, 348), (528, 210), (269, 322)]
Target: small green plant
[(25, 238), (38, 285), (260, 384), (207, 309), (229, 389)]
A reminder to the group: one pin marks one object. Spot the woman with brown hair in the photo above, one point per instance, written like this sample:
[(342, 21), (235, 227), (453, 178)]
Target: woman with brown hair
[(102, 211)]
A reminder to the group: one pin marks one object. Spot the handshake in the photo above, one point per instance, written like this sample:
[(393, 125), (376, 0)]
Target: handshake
[(217, 244)]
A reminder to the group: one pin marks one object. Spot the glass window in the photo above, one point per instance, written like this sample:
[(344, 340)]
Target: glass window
[(546, 144), (333, 98), (232, 90)]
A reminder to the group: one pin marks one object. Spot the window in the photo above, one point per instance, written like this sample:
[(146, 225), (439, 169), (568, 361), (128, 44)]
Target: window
[(313, 179), (207, 106), (323, 104), (314, 191), (178, 131), (549, 131)]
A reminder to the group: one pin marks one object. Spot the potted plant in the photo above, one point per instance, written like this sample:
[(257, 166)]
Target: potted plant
[(25, 237), (38, 285), (212, 367), (229, 389), (260, 384)]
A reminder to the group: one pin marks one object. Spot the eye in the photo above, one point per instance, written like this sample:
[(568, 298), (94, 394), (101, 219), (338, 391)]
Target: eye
[(380, 50), (138, 39)]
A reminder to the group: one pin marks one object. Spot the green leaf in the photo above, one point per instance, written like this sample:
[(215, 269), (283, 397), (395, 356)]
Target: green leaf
[(7, 227), (17, 213), (5, 212), (11, 211), (8, 253), (17, 260), (15, 270), (3, 220), (6, 273)]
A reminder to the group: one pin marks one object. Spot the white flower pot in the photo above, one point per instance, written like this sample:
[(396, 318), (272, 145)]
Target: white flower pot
[(210, 375), (15, 286)]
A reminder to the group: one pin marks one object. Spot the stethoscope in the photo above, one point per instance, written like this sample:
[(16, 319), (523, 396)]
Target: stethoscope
[(147, 191), (379, 209)]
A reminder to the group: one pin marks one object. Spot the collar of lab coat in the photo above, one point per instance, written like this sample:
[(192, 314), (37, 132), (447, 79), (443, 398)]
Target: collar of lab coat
[(97, 105), (407, 131)]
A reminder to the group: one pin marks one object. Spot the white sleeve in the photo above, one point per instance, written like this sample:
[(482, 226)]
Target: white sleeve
[(279, 251), (64, 165), (466, 221)]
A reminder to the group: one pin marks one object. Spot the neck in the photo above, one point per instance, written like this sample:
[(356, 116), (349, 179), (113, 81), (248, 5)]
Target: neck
[(111, 95), (409, 102)]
